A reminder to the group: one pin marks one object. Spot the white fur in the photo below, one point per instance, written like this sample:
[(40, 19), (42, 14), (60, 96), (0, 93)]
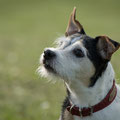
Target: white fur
[(66, 65), (85, 97), (93, 94), (76, 72)]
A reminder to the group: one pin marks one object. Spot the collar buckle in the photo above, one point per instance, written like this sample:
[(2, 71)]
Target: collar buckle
[(71, 108), (80, 112), (91, 110)]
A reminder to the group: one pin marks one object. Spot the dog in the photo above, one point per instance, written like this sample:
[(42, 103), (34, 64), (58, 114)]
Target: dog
[(83, 62)]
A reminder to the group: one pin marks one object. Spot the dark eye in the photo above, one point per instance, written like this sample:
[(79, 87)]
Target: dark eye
[(78, 53)]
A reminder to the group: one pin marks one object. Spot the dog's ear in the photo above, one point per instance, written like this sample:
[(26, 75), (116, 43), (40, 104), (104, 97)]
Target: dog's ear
[(106, 47), (73, 25)]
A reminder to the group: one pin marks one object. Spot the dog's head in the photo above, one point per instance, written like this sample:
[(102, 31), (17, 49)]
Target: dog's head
[(78, 56)]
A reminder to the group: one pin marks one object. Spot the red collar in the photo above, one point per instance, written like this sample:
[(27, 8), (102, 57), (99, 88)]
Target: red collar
[(88, 111)]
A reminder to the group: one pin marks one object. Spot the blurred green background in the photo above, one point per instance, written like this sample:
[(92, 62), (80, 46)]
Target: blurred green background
[(26, 28)]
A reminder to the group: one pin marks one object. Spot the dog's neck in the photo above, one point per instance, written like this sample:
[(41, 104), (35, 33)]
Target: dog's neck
[(83, 96)]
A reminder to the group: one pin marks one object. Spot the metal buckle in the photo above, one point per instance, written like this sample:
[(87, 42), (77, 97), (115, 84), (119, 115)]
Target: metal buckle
[(80, 111), (71, 108), (91, 110)]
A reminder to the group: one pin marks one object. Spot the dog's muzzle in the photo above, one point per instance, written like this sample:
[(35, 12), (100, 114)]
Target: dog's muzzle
[(48, 57)]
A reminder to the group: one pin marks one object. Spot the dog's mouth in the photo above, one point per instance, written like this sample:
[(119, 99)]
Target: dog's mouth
[(48, 66)]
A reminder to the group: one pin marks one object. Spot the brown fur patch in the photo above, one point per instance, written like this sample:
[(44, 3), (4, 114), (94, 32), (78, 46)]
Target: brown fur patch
[(67, 116), (73, 25), (106, 47)]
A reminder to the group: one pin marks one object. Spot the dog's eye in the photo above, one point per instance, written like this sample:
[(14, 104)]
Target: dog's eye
[(78, 53)]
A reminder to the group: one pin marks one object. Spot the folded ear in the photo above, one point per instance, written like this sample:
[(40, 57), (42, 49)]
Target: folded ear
[(73, 25), (106, 47)]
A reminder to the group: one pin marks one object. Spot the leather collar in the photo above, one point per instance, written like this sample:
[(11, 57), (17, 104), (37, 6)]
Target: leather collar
[(74, 110)]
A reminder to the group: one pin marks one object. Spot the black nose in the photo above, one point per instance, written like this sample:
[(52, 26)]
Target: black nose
[(48, 54)]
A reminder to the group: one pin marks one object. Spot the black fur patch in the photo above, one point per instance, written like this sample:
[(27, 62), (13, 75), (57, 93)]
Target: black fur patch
[(66, 103), (94, 55), (82, 32)]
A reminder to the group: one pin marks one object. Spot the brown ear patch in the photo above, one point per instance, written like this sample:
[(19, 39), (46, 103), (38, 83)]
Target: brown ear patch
[(107, 47), (73, 25)]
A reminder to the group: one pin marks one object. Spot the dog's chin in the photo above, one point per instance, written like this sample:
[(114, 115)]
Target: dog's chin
[(49, 68), (48, 73), (46, 70)]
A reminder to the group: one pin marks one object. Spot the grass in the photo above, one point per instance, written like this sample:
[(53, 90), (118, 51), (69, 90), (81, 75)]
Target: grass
[(26, 28)]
